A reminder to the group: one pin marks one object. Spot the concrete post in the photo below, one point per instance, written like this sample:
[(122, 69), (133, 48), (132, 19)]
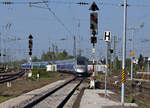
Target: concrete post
[(124, 53)]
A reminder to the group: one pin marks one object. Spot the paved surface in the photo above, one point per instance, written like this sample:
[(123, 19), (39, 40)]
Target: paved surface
[(20, 100), (92, 99)]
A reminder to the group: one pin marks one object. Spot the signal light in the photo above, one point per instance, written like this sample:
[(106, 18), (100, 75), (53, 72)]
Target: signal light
[(30, 44), (30, 49), (111, 51), (132, 53), (30, 53), (7, 3), (30, 36), (93, 39), (94, 23), (82, 3)]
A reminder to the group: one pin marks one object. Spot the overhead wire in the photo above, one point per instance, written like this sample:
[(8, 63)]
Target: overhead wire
[(58, 19), (66, 2), (60, 2), (46, 3), (132, 5), (9, 3)]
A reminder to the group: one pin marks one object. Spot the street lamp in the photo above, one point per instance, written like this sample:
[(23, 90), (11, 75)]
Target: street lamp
[(132, 49)]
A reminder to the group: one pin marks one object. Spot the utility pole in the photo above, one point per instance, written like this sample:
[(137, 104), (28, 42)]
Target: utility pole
[(124, 53), (53, 57), (56, 48), (74, 47), (94, 31), (49, 50), (80, 51), (4, 56)]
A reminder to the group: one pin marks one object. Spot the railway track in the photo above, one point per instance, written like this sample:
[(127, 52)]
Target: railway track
[(58, 97), (10, 76)]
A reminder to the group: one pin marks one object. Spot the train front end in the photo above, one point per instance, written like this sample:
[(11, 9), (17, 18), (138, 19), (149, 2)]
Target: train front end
[(81, 66)]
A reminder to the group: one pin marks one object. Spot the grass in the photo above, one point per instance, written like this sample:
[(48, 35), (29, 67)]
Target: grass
[(25, 84), (6, 97), (141, 104), (130, 99), (100, 76)]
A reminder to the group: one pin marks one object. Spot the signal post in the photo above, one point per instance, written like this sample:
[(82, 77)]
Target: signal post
[(30, 54), (107, 38), (94, 32)]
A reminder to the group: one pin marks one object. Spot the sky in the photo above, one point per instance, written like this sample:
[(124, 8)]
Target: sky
[(18, 21)]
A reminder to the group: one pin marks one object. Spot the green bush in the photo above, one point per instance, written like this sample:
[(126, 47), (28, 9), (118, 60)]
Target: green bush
[(131, 99)]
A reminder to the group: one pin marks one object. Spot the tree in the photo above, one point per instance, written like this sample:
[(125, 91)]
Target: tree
[(50, 56), (23, 61), (44, 57), (35, 59), (56, 48), (65, 54), (60, 56)]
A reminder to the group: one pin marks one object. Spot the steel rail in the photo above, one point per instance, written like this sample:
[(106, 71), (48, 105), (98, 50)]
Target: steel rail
[(12, 74), (11, 78), (61, 105), (36, 101)]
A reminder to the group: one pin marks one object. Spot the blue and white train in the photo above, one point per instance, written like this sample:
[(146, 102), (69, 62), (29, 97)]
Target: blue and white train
[(79, 66), (34, 64)]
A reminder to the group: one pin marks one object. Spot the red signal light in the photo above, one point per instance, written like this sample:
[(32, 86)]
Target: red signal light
[(94, 23)]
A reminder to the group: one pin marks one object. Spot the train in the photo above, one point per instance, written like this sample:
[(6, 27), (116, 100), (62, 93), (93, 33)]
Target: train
[(81, 66), (34, 65), (78, 65)]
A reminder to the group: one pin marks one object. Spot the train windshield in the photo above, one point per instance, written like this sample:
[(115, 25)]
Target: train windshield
[(81, 62)]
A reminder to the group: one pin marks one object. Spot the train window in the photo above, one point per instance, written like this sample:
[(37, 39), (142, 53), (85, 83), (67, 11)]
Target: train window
[(79, 62)]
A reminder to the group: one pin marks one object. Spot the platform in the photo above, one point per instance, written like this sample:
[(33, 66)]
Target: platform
[(94, 98)]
